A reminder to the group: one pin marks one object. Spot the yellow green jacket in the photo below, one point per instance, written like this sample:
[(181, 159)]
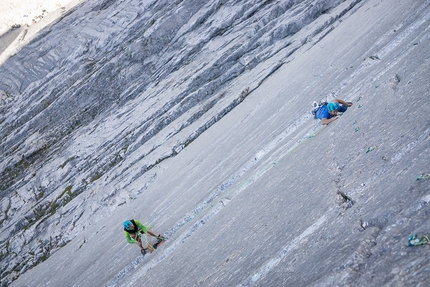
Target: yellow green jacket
[(139, 228)]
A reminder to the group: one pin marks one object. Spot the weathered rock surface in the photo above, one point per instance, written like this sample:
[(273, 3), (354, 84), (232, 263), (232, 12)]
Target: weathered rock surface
[(194, 116)]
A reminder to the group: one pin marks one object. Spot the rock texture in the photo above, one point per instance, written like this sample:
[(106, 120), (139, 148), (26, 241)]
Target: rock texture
[(119, 104)]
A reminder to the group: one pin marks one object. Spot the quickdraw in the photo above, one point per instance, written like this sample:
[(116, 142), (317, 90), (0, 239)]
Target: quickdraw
[(414, 241)]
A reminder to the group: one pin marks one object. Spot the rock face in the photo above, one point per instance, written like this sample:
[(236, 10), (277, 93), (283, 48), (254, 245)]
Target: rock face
[(98, 108)]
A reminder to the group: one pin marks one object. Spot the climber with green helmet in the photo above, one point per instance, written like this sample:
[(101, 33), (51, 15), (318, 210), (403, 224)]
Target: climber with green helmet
[(133, 231), (328, 113)]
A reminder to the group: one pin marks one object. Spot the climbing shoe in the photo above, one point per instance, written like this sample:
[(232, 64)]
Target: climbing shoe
[(160, 238)]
